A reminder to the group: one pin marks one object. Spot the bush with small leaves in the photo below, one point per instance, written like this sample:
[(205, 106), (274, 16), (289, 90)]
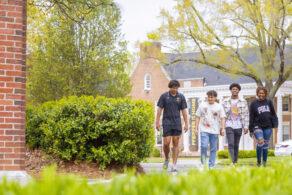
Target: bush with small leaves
[(100, 129)]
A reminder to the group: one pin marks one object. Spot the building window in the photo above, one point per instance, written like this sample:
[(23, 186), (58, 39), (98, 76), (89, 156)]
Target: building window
[(285, 106), (147, 82), (187, 84), (286, 132)]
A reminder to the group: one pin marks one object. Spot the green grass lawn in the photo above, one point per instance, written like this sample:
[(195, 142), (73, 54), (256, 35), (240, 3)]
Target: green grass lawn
[(241, 161)]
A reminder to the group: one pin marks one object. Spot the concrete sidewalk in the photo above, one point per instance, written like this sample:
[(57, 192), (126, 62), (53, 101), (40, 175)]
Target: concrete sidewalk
[(182, 165)]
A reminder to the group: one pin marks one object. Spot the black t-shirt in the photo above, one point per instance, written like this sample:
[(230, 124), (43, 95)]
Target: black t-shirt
[(262, 114), (172, 105)]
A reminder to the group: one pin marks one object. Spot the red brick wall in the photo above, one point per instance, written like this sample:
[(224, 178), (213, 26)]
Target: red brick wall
[(194, 82), (12, 84), (159, 81)]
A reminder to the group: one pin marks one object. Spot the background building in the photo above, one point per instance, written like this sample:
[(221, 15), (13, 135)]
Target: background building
[(150, 80)]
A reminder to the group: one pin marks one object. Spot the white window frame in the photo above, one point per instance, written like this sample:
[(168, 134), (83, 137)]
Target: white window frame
[(147, 82), (187, 84), (283, 103), (286, 124)]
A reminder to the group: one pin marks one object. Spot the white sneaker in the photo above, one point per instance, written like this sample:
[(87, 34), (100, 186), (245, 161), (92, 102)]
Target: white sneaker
[(174, 168), (201, 167)]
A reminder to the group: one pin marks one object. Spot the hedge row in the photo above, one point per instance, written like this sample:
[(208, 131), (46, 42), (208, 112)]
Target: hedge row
[(99, 129), (155, 152), (242, 154)]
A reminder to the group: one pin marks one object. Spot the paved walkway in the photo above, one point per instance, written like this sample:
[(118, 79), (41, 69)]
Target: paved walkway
[(182, 165)]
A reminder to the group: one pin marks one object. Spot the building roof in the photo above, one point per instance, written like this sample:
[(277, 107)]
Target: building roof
[(212, 76)]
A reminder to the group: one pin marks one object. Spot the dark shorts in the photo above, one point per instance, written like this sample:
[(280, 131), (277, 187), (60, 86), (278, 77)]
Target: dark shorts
[(171, 132)]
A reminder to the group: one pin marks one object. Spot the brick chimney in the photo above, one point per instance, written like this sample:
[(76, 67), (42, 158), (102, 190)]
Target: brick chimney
[(150, 49), (12, 88)]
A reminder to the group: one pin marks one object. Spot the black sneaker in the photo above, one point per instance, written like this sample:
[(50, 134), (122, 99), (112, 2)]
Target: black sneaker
[(259, 163)]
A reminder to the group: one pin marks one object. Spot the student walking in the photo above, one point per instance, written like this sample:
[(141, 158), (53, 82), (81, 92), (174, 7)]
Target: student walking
[(236, 110), (210, 122), (171, 102), (262, 120)]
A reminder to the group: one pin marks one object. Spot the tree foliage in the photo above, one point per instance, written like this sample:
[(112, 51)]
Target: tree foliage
[(224, 32), (75, 10), (75, 52)]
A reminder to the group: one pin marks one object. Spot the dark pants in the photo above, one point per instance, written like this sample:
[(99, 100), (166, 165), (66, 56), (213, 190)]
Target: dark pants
[(233, 138)]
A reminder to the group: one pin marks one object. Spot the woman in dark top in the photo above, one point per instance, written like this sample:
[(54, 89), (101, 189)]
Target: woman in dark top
[(262, 120)]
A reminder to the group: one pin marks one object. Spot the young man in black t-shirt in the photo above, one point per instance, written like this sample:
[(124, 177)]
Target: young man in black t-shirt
[(171, 103)]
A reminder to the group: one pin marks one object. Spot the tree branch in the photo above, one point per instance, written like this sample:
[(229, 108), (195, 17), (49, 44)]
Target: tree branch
[(288, 73), (248, 30)]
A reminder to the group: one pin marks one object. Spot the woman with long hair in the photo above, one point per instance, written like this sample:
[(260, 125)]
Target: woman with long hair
[(262, 120)]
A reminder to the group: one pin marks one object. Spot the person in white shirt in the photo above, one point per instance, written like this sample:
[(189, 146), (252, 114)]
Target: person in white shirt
[(210, 122)]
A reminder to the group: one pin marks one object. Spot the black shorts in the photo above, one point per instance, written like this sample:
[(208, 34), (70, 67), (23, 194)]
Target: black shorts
[(171, 132)]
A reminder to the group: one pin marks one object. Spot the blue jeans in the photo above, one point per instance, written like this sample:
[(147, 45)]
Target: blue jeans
[(262, 136), (207, 138)]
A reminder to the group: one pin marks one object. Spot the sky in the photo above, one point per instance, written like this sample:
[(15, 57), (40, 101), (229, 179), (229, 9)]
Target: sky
[(140, 17)]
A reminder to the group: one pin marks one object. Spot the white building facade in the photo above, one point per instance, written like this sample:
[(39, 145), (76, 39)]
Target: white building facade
[(195, 95)]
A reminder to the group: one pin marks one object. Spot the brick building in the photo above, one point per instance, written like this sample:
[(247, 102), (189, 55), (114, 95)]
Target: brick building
[(12, 87), (150, 80)]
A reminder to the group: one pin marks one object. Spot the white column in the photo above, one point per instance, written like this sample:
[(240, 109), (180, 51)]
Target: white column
[(280, 118), (186, 140), (247, 142), (221, 143), (221, 138), (241, 142)]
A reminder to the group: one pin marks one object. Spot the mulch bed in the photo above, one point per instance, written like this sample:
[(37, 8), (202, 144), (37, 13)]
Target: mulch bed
[(36, 160)]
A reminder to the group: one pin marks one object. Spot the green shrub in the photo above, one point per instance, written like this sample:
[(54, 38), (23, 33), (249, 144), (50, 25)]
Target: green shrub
[(102, 130), (242, 154), (251, 153), (271, 153), (155, 152), (223, 154)]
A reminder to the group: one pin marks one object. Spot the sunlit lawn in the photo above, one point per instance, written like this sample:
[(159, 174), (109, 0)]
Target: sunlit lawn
[(241, 161)]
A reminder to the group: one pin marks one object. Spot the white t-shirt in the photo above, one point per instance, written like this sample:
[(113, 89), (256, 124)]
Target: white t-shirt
[(210, 115), (233, 120)]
